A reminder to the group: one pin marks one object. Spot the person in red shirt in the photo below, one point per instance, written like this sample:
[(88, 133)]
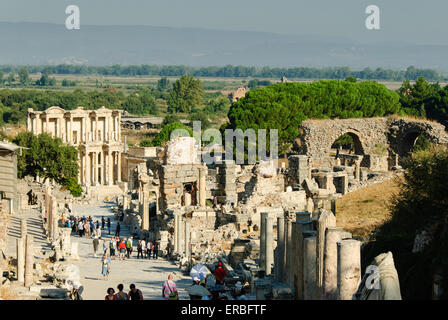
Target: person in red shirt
[(122, 247), (219, 273)]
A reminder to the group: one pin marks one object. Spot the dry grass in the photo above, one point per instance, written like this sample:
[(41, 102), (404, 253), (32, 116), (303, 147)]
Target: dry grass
[(363, 211)]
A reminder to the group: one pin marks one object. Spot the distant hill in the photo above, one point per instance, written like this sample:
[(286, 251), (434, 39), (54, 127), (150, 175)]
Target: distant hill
[(43, 43)]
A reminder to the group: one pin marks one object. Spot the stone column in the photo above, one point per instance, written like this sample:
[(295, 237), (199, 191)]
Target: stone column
[(110, 164), (57, 129), (269, 223), (47, 201), (309, 265), (176, 232), (95, 133), (262, 259), (298, 228), (330, 272), (23, 228), (29, 261), (95, 168), (144, 200), (55, 226), (179, 238), (29, 126), (187, 199), (280, 248), (70, 132), (21, 259), (288, 270), (358, 169), (53, 219), (83, 130), (187, 239), (202, 184), (349, 268), (88, 170), (119, 167), (326, 219), (106, 128)]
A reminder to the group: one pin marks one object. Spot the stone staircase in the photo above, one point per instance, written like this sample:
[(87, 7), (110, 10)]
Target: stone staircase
[(34, 227)]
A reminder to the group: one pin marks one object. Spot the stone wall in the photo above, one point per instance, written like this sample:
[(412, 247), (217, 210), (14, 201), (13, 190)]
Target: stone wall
[(377, 137), (172, 179)]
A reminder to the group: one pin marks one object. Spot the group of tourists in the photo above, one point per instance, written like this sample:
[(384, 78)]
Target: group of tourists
[(124, 247), (133, 294), (85, 226)]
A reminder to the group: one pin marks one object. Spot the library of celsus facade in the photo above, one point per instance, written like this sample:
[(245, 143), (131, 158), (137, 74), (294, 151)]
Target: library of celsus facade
[(97, 134)]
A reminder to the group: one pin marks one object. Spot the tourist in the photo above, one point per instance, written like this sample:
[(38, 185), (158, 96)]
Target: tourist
[(112, 248), (134, 293), (129, 247), (149, 249), (106, 267), (155, 250), (143, 242), (103, 222), (122, 247), (110, 294), (96, 242), (81, 228), (105, 246), (98, 232), (120, 294), (219, 273), (169, 291), (249, 224), (108, 225), (97, 225), (87, 229), (139, 249), (117, 230)]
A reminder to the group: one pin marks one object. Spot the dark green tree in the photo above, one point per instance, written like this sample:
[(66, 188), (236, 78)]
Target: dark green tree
[(163, 84), (284, 106), (186, 94), (23, 76), (11, 78), (48, 158)]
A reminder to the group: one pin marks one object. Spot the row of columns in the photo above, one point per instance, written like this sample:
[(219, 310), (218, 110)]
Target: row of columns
[(109, 166), (317, 259), (64, 128)]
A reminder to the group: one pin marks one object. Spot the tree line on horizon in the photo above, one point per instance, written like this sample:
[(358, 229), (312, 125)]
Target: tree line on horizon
[(229, 71)]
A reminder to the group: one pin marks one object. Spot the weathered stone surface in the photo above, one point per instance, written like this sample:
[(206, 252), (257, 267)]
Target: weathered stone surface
[(181, 150)]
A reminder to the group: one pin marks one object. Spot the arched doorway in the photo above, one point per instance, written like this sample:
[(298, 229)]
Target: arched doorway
[(413, 141), (347, 143)]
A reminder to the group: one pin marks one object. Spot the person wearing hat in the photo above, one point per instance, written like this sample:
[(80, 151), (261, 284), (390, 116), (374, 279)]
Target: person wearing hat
[(219, 273)]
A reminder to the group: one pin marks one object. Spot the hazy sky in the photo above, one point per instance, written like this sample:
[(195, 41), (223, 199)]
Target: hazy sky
[(413, 21)]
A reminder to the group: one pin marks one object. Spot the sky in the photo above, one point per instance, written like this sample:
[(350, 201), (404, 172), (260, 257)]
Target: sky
[(409, 21)]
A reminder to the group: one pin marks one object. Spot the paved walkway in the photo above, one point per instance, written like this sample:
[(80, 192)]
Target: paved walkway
[(147, 275)]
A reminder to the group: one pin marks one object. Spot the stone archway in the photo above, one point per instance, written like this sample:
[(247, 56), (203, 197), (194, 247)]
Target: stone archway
[(357, 146)]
